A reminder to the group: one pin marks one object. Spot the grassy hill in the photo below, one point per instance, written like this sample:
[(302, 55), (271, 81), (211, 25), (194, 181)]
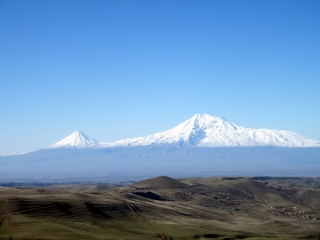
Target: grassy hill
[(165, 208)]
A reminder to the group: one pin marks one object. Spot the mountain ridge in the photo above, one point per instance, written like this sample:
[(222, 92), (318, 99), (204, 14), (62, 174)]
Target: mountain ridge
[(189, 148), (201, 130)]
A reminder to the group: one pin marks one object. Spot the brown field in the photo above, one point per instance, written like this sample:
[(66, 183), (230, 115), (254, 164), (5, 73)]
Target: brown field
[(165, 208)]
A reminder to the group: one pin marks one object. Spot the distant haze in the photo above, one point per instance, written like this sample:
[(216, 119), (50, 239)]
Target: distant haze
[(203, 145)]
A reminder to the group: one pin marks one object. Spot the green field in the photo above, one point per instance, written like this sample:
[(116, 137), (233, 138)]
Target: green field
[(165, 208)]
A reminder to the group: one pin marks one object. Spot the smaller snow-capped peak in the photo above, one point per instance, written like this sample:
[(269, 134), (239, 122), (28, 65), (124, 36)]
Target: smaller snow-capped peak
[(201, 130), (75, 140)]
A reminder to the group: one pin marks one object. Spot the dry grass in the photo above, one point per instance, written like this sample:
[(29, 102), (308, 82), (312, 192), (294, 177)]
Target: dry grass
[(165, 208)]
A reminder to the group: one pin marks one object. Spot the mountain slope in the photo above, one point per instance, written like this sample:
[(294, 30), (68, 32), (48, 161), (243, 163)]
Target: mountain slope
[(203, 130), (76, 140)]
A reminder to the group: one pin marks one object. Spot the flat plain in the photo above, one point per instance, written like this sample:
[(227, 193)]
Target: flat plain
[(165, 208)]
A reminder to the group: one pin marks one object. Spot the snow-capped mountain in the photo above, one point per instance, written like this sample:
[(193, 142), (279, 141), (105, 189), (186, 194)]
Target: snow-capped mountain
[(203, 130), (76, 140), (201, 145)]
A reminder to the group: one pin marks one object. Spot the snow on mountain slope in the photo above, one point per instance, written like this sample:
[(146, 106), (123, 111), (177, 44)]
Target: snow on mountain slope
[(203, 130), (76, 140)]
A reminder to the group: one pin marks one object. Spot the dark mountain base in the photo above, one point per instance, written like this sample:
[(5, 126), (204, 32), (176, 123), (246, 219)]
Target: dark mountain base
[(134, 163)]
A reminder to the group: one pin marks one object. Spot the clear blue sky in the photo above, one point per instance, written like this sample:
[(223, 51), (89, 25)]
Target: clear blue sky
[(119, 69)]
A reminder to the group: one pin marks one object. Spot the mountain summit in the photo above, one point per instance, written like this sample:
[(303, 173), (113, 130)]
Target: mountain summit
[(75, 140), (203, 130), (201, 145)]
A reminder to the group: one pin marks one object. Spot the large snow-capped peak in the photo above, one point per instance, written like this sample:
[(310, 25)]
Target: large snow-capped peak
[(76, 140), (203, 130)]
